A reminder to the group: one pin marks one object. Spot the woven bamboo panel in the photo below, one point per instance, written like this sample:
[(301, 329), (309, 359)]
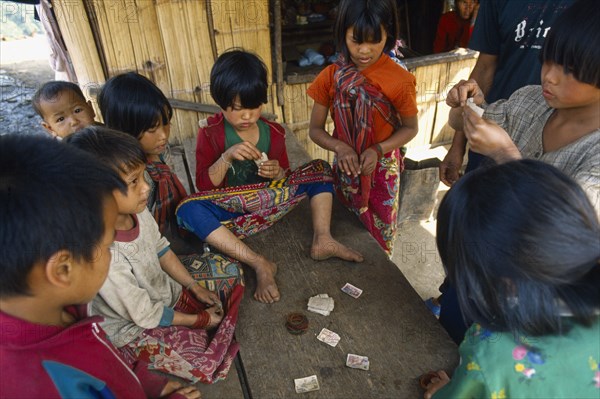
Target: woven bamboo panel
[(177, 27), (455, 71), (79, 39), (243, 24)]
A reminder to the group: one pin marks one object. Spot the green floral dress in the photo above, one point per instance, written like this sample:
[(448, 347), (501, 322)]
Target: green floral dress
[(496, 365)]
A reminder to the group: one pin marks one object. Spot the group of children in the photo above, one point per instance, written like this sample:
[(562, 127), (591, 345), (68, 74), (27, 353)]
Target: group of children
[(103, 207)]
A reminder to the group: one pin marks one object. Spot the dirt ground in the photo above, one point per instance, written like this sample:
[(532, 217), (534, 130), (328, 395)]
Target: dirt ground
[(23, 68)]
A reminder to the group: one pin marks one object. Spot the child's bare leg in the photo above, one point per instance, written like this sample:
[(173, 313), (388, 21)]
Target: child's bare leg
[(324, 246), (226, 242)]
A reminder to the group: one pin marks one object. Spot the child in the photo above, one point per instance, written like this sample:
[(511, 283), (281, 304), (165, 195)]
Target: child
[(154, 310), (58, 217), (226, 153), (519, 241), (372, 101), (557, 122), (133, 104), (455, 27), (63, 108)]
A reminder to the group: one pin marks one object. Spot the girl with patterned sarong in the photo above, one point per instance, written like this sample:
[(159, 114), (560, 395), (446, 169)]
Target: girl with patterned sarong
[(241, 192), (372, 101), (178, 318), (131, 103)]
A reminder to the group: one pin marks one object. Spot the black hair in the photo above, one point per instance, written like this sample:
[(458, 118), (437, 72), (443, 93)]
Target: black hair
[(51, 199), (367, 17), (574, 42), (50, 91), (238, 73), (515, 239), (120, 151), (131, 103)]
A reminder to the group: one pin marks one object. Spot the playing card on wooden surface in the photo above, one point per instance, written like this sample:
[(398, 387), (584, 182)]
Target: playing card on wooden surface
[(329, 337), (351, 290), (357, 361), (322, 304), (306, 384)]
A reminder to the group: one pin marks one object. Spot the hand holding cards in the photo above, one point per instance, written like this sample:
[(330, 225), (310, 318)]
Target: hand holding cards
[(262, 159), (476, 108)]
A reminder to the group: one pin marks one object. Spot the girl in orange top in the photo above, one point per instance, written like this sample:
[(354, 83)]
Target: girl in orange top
[(372, 101)]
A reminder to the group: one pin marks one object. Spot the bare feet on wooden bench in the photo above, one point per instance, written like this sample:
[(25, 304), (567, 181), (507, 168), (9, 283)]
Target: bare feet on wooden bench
[(325, 247), (266, 287)]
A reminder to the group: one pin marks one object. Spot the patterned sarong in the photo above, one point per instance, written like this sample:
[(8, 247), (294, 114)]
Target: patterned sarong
[(192, 354), (373, 198), (263, 204), (380, 216), (169, 192)]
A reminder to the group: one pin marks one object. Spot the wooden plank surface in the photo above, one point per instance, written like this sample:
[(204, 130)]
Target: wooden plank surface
[(229, 388), (388, 323)]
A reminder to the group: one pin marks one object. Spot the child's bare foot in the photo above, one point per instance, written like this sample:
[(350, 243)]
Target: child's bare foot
[(325, 247), (266, 287), (190, 392)]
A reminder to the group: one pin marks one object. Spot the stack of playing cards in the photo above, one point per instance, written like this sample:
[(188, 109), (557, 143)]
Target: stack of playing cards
[(329, 337), (351, 290), (262, 159), (306, 384), (321, 304), (476, 108), (357, 361)]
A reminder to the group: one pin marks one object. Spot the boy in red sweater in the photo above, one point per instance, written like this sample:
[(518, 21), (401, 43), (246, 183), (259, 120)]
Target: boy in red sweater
[(58, 217)]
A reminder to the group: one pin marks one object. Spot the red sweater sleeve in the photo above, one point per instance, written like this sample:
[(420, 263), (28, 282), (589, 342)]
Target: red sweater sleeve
[(207, 153)]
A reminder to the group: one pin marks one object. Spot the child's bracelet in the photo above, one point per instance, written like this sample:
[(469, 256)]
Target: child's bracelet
[(202, 320), (377, 148), (190, 285), (229, 164)]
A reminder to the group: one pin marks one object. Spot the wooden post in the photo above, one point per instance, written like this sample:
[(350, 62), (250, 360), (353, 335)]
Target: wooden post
[(278, 56)]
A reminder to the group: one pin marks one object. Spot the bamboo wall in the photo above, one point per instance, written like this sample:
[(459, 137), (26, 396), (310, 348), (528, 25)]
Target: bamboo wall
[(172, 42), (175, 42)]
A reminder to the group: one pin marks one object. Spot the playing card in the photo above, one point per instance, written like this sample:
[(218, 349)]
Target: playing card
[(357, 361), (262, 159), (329, 337), (321, 304), (474, 107), (306, 384), (351, 290)]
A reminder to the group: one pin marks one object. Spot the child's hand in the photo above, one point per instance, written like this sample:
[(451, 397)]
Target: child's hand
[(189, 392), (216, 315), (487, 138), (451, 165), (368, 161), (347, 159), (242, 151), (270, 169), (436, 383), (205, 296), (457, 96)]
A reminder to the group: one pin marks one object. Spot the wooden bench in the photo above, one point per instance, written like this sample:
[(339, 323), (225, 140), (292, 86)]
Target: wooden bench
[(388, 323)]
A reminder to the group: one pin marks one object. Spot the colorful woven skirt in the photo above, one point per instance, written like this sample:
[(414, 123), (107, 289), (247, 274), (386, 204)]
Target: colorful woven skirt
[(381, 210), (195, 355), (263, 204)]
